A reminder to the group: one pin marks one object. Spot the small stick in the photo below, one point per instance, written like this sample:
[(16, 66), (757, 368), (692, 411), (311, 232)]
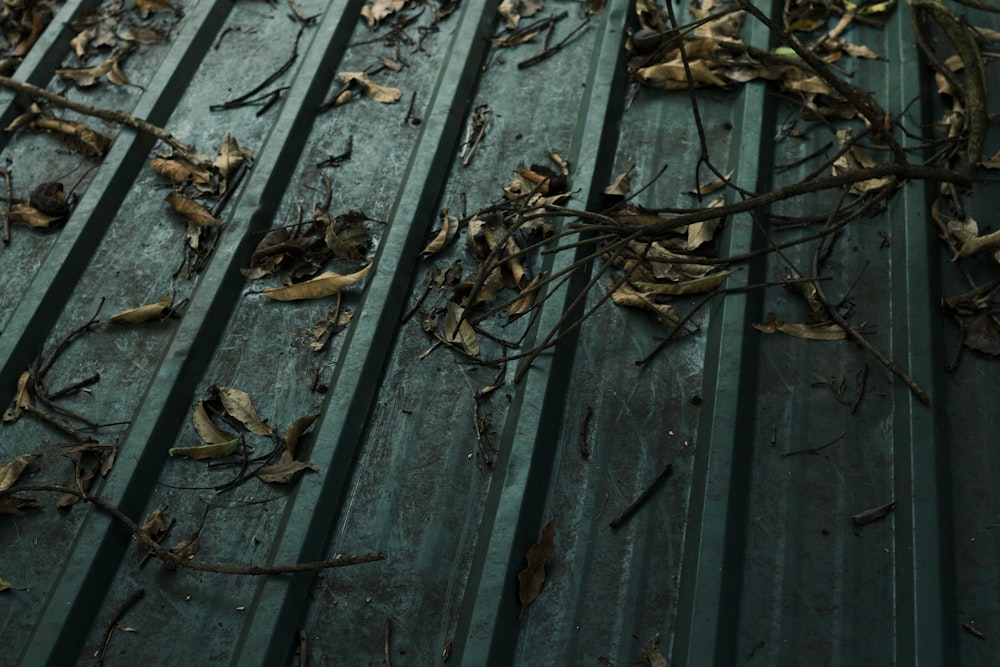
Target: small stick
[(75, 387), (584, 449), (860, 390), (57, 424), (113, 622), (554, 49), (643, 497), (172, 560), (303, 649), (385, 649), (110, 115), (305, 20), (815, 450), (10, 205), (244, 99)]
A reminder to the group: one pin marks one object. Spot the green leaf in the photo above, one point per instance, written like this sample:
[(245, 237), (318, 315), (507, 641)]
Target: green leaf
[(216, 451)]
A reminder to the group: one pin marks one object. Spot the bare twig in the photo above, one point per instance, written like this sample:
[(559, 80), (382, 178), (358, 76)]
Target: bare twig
[(110, 115), (642, 499)]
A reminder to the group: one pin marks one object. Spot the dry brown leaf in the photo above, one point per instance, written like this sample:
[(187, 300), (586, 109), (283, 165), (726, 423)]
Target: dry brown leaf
[(854, 160), (206, 428), (326, 284), (983, 336), (621, 185), (22, 398), (526, 300), (651, 656), (139, 35), (383, 94), (10, 472), (179, 170), (192, 210), (231, 157), (508, 10), (156, 524), (374, 12), (293, 433), (695, 286), (240, 406), (17, 505), (147, 6), (284, 472), (151, 311), (626, 295), (531, 578), (700, 233), (461, 335), (449, 226), (873, 514), (85, 77), (29, 215), (6, 585), (824, 331)]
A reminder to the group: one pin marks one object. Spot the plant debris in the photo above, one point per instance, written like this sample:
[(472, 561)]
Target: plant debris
[(532, 577)]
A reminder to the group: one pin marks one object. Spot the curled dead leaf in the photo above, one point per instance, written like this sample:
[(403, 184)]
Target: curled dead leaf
[(824, 331), (293, 433), (22, 399), (627, 295), (326, 284), (717, 184), (206, 428), (449, 227), (180, 170), (192, 210), (151, 311), (29, 215)]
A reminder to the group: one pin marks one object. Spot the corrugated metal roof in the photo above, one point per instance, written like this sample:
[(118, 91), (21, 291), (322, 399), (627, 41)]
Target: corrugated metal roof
[(745, 553)]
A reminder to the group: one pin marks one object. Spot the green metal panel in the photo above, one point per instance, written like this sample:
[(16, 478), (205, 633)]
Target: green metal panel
[(743, 555)]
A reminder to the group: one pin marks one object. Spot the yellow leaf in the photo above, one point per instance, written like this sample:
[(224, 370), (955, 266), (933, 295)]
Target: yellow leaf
[(10, 472), (142, 314), (326, 284), (216, 451)]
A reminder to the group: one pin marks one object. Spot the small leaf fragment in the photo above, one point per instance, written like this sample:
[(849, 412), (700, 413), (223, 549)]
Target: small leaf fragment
[(199, 452), (31, 216), (531, 578), (824, 331), (717, 184), (326, 284), (626, 295), (284, 472), (694, 286)]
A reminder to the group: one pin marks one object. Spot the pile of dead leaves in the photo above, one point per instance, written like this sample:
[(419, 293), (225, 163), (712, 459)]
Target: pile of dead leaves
[(653, 272), (717, 57), (201, 178), (497, 241), (106, 36), (226, 419), (300, 251), (21, 24)]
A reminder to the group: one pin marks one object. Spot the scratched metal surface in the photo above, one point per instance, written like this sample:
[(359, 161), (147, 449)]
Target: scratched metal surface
[(744, 556)]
